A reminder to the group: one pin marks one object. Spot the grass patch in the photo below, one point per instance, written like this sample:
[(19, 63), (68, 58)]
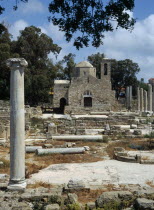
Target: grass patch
[(32, 169), (74, 206), (46, 160), (85, 197), (40, 184), (150, 183), (34, 121), (151, 135), (5, 167), (127, 145), (65, 158)]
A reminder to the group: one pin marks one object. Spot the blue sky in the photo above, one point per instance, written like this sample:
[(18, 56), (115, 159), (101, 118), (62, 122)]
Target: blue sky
[(120, 44)]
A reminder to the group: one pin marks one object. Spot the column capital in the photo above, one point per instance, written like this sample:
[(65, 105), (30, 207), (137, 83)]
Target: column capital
[(16, 62)]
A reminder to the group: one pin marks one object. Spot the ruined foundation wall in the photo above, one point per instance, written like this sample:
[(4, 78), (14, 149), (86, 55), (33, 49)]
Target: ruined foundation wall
[(78, 126)]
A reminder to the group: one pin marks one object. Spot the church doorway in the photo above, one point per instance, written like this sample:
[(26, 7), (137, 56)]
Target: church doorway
[(87, 98), (62, 105), (87, 101)]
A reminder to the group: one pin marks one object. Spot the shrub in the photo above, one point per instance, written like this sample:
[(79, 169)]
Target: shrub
[(105, 139), (112, 206), (151, 135), (74, 206)]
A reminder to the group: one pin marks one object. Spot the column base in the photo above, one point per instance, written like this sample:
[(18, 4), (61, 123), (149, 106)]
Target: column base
[(146, 113), (17, 186)]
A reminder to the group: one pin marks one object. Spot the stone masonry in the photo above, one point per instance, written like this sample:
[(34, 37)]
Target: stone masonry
[(86, 93)]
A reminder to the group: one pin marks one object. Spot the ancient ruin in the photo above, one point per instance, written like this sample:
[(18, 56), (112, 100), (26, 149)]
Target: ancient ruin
[(86, 93), (97, 155)]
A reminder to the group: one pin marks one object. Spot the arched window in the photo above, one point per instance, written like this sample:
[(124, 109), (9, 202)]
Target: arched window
[(87, 93), (87, 98), (105, 69)]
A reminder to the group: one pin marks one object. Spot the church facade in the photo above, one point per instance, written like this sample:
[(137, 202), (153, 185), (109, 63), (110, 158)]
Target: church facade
[(85, 93)]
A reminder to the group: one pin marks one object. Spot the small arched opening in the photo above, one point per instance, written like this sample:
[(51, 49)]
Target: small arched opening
[(62, 104), (87, 99), (105, 69)]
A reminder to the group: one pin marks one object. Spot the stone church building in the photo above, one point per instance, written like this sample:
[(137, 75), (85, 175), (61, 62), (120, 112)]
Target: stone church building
[(85, 93)]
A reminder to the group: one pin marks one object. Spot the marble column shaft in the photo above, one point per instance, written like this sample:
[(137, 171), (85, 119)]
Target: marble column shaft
[(145, 100), (149, 97), (138, 99), (127, 98), (17, 123), (130, 96), (141, 100)]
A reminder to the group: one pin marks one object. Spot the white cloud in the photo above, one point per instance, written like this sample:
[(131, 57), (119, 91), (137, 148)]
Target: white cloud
[(120, 44), (16, 27), (53, 32), (137, 45), (33, 6), (58, 38)]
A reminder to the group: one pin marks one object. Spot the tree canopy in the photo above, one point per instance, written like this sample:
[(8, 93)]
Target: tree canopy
[(95, 60), (123, 72), (92, 18), (35, 46), (70, 64), (88, 20), (5, 53)]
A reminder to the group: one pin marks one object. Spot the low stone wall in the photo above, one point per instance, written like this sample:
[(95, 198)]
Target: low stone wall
[(125, 158), (74, 125), (55, 199)]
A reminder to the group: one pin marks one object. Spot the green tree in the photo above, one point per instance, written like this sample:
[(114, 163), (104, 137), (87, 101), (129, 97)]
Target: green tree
[(5, 53), (70, 64), (124, 74), (92, 18), (35, 46), (95, 60), (142, 84)]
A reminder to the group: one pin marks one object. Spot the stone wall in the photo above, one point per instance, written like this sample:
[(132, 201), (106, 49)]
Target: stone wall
[(78, 126), (86, 93), (103, 98), (4, 119), (61, 91)]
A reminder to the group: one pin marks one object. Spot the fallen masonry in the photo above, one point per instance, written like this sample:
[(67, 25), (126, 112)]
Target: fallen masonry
[(56, 198), (76, 150)]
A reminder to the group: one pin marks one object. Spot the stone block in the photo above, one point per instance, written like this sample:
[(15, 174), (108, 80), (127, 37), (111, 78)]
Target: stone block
[(72, 198), (52, 207), (143, 203), (107, 197), (137, 132), (91, 205), (133, 126), (125, 195), (76, 184), (48, 145), (119, 149)]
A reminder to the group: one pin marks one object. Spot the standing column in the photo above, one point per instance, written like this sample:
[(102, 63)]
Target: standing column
[(149, 97), (130, 97), (127, 98), (138, 99), (153, 100), (141, 100), (145, 100), (17, 124)]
